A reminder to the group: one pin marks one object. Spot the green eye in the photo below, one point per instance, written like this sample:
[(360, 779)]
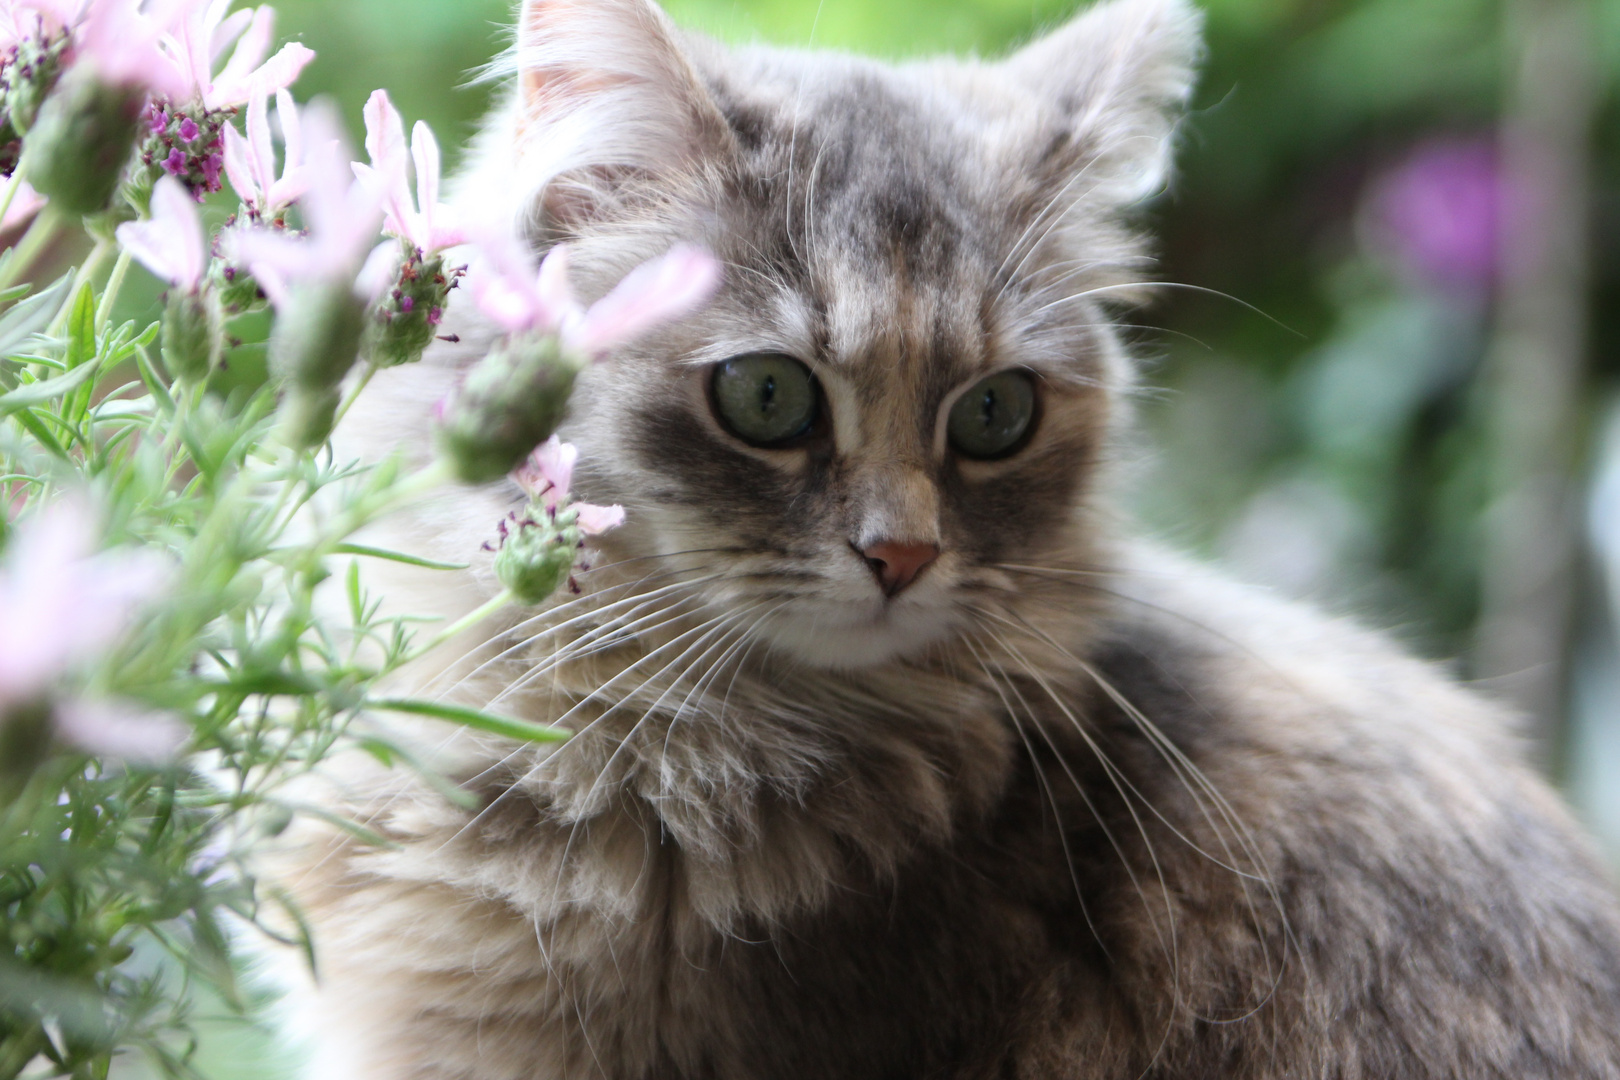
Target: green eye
[(991, 419), (767, 399)]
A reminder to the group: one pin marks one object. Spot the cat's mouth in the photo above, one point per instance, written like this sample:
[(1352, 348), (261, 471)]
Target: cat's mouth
[(845, 634)]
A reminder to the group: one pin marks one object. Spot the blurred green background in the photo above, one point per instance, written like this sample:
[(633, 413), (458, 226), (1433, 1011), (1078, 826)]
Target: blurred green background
[(1372, 406)]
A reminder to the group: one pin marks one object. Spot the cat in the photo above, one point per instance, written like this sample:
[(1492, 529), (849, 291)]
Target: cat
[(897, 754)]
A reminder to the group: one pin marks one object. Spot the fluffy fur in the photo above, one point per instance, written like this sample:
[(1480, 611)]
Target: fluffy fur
[(1065, 807)]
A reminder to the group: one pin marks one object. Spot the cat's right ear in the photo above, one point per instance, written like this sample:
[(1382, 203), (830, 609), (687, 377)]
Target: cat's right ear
[(605, 93), (1116, 78)]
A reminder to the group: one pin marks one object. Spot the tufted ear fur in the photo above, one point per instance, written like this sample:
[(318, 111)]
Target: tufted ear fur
[(604, 95), (1116, 76)]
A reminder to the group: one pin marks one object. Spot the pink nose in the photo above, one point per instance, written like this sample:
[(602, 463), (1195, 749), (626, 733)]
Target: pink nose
[(897, 565)]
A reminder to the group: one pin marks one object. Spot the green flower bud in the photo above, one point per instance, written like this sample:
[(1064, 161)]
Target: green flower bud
[(81, 141), (307, 416), (28, 79), (316, 339), (512, 401), (406, 319), (537, 553), (192, 334), (238, 290)]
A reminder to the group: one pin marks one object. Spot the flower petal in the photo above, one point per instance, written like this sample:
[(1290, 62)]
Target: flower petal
[(598, 519), (238, 169), (655, 292), (171, 243), (120, 730), (251, 46), (277, 73), (555, 461)]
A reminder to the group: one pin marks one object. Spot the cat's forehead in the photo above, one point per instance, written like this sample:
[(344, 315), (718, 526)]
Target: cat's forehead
[(866, 216)]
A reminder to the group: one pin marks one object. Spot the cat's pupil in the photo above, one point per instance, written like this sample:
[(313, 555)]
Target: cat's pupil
[(992, 418), (767, 399)]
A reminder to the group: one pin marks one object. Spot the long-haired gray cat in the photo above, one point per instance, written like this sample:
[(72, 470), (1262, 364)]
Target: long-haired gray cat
[(897, 756)]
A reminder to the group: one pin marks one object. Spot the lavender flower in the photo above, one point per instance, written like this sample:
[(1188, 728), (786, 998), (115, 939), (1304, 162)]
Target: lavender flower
[(202, 34), (61, 604), (412, 278), (341, 213), (541, 547), (251, 162), (515, 397), (172, 245), (87, 127), (547, 475), (312, 281), (428, 225), (655, 292)]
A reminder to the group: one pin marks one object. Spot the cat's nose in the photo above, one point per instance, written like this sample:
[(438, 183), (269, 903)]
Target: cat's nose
[(896, 565)]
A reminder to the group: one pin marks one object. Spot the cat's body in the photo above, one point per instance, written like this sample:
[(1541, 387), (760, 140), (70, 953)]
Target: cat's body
[(1060, 806)]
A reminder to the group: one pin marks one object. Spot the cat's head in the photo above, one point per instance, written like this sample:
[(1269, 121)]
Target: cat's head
[(905, 385)]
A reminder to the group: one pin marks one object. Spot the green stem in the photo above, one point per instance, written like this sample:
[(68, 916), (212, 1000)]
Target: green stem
[(87, 270), (363, 512), (354, 395), (114, 284), (40, 233), (472, 618)]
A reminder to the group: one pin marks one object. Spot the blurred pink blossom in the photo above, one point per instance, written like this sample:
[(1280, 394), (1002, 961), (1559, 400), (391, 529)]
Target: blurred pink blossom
[(171, 244), (121, 44), (547, 476), (119, 729), (341, 212), (1439, 212), (24, 205), (427, 224), (251, 162), (61, 604), (37, 18), (201, 34), (657, 291)]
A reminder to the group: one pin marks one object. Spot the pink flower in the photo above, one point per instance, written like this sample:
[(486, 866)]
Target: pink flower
[(655, 292), (119, 729), (251, 162), (172, 243), (423, 223), (43, 19), (24, 205), (61, 604), (201, 36), (547, 475), (342, 214), (121, 44)]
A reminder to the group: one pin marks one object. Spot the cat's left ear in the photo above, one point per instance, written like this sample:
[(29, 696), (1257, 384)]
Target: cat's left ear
[(1115, 78)]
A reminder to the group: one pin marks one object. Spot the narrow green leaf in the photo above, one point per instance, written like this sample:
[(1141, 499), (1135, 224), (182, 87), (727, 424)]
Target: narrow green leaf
[(357, 607), (82, 329), (25, 397), (477, 719), (31, 315), (160, 391), (396, 556), (39, 431)]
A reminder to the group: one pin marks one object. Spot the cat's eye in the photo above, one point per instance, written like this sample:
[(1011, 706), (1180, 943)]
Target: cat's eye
[(993, 416), (768, 399)]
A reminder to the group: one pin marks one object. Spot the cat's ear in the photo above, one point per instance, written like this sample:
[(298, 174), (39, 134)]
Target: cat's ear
[(605, 91), (1116, 77)]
